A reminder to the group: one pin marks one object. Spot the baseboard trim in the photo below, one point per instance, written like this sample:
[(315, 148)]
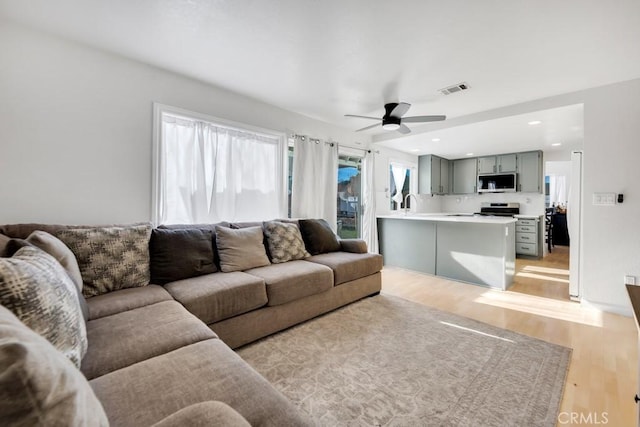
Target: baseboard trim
[(609, 308)]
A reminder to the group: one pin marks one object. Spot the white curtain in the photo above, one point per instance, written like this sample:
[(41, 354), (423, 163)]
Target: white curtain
[(369, 222), (399, 176), (211, 174), (314, 189), (558, 192)]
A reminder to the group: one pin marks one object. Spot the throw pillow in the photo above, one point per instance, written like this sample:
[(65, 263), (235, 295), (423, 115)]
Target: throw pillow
[(318, 236), (284, 241), (110, 258), (38, 384), (35, 287), (180, 254), (54, 247), (240, 249), (3, 244)]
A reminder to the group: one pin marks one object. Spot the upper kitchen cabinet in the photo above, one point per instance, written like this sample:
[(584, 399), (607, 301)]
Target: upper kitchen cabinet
[(530, 172), (497, 164), (433, 175), (465, 177)]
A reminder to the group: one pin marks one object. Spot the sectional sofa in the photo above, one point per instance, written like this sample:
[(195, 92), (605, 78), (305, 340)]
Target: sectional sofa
[(159, 333)]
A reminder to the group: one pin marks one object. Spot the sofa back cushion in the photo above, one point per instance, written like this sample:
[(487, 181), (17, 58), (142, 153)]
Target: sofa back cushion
[(35, 287), (241, 249), (180, 254), (110, 258), (38, 384), (284, 241), (318, 236)]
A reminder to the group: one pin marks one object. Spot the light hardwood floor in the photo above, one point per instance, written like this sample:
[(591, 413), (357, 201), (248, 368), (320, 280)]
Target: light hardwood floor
[(604, 364)]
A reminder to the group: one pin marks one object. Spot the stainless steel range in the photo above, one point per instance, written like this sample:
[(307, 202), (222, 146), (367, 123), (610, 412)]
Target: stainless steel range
[(499, 209)]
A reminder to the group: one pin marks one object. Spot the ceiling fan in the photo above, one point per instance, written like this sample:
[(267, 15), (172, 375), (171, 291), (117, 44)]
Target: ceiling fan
[(393, 120)]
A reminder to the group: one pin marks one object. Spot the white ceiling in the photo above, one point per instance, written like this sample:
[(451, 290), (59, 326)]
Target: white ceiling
[(328, 58)]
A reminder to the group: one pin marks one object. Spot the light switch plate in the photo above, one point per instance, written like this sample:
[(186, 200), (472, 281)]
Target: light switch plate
[(604, 199)]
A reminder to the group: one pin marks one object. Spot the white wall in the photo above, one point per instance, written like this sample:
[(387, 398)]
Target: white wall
[(75, 133)]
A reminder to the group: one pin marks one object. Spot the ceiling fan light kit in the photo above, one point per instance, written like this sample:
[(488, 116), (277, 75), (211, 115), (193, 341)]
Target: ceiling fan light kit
[(393, 120)]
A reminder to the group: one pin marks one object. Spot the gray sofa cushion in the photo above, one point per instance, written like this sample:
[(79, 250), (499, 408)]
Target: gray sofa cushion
[(218, 296), (35, 287), (293, 280), (147, 392), (180, 254), (204, 414), (133, 336), (348, 266), (125, 299), (38, 384)]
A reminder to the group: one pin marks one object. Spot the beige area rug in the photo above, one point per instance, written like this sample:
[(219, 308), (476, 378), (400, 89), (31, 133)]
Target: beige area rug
[(385, 361)]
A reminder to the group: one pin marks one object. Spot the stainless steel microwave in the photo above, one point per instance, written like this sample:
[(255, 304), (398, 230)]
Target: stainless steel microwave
[(497, 182)]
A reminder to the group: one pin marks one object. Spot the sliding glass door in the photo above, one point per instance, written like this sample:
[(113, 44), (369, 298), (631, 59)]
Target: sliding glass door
[(349, 196)]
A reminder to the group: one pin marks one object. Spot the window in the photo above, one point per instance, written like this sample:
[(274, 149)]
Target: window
[(401, 182), (208, 170)]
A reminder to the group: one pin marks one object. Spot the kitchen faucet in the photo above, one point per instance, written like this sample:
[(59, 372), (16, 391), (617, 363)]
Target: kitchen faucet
[(405, 201)]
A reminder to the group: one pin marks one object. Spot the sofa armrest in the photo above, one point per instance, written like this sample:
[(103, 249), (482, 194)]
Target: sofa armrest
[(356, 246), (210, 413)]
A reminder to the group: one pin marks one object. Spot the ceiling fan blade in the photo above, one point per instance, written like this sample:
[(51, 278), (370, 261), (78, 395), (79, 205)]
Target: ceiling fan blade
[(423, 119), (404, 129), (362, 117), (369, 127), (400, 109)]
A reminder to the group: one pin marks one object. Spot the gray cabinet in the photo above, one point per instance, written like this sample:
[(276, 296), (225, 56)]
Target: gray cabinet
[(465, 177), (433, 175), (497, 164), (530, 172), (528, 241)]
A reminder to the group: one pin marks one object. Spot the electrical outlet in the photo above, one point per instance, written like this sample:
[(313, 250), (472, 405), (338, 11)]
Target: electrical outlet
[(629, 280)]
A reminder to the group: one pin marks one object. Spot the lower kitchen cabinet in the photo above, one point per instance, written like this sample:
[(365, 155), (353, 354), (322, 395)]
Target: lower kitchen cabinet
[(528, 237)]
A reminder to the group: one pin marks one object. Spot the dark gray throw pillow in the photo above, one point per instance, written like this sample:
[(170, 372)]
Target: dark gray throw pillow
[(180, 254), (318, 236)]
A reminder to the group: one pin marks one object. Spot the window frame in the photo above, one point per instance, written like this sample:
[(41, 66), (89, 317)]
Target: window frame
[(156, 167), (413, 179)]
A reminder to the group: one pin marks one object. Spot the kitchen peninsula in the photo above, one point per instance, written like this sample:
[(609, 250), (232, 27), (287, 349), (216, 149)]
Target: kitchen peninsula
[(474, 249)]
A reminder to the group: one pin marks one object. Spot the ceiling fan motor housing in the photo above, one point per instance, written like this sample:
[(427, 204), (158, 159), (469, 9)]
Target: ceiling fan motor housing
[(390, 120)]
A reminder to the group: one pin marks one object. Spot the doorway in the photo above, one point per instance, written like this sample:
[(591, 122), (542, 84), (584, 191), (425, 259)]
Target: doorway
[(349, 201)]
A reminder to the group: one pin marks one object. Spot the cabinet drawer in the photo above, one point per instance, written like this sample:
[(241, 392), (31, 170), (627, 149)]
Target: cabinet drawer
[(526, 228), (527, 238), (527, 249), (531, 222)]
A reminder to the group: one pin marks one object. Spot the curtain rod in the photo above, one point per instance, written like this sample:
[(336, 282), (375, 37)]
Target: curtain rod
[(317, 141)]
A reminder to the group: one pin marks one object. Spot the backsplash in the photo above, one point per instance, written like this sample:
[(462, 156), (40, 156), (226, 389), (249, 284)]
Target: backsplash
[(530, 203)]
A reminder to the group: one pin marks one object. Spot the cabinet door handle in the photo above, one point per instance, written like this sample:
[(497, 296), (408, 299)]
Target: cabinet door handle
[(499, 168), (494, 168)]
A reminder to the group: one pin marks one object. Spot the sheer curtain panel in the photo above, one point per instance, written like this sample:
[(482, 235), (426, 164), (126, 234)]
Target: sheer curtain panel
[(314, 190), (210, 173), (369, 221)]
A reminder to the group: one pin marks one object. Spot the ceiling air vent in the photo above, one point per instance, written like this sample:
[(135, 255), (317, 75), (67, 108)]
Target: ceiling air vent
[(455, 88)]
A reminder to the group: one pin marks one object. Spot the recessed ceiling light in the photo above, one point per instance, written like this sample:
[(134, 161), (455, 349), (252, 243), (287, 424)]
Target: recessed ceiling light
[(415, 150), (534, 122), (556, 144), (436, 139), (469, 154)]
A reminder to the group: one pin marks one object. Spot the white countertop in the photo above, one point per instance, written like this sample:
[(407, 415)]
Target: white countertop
[(451, 217)]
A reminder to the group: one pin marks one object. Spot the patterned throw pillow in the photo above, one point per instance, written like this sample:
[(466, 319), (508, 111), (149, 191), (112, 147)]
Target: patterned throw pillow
[(110, 258), (285, 242), (35, 287), (39, 386)]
